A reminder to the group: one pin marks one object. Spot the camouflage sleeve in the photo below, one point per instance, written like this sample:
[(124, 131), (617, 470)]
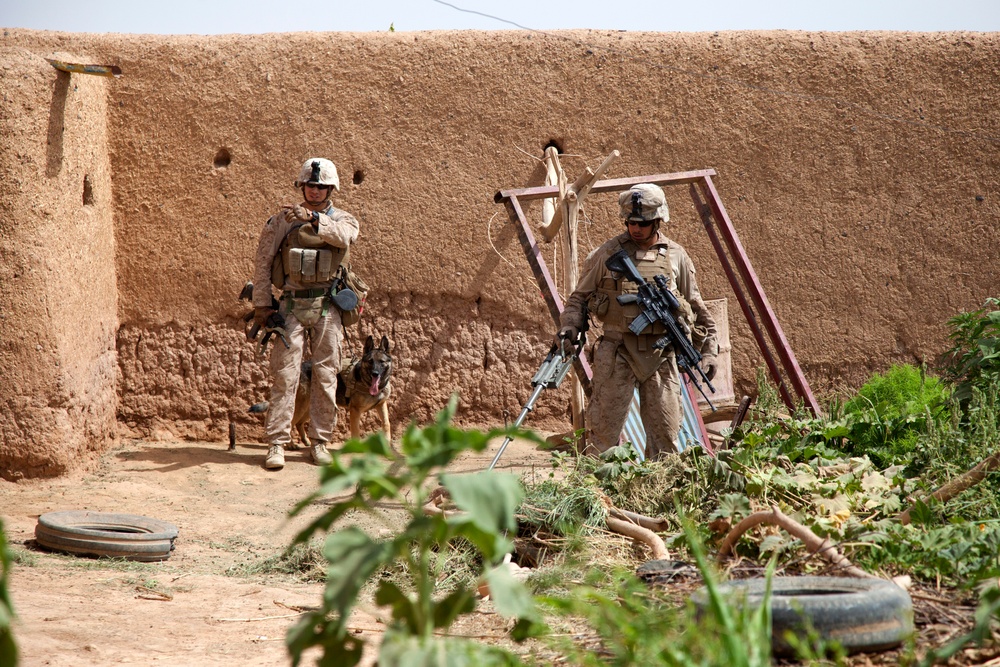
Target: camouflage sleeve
[(576, 308), (705, 336), (266, 249), (338, 228)]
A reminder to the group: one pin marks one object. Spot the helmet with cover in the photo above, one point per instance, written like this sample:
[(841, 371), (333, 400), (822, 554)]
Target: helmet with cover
[(644, 202), (318, 171)]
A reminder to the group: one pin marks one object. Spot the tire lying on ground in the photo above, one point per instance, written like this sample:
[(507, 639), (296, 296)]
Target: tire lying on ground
[(861, 614), (109, 534)]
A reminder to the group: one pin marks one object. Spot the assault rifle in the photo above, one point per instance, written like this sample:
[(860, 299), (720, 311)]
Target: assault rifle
[(275, 324), (658, 304), (550, 375)]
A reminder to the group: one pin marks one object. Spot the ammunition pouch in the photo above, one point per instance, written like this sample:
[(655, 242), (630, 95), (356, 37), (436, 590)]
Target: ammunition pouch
[(306, 259)]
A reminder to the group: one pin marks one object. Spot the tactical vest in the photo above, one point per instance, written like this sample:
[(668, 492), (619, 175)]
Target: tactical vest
[(306, 259), (658, 260)]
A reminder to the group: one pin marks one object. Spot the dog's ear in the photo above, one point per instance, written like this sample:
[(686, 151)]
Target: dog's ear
[(385, 344), (369, 344)]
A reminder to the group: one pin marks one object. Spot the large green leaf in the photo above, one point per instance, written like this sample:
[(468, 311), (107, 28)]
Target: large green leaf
[(403, 608), (8, 648), (489, 498), (376, 444), (340, 647), (353, 557), (491, 544), (401, 650), (509, 595), (460, 601)]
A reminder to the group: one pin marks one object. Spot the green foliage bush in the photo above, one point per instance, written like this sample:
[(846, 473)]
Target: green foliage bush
[(889, 413), (8, 649), (973, 362)]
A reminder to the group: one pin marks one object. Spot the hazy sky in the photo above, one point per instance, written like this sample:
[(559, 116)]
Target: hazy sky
[(257, 16)]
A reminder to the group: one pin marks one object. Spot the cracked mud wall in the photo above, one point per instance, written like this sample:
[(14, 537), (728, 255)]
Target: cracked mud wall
[(860, 170), (58, 303)]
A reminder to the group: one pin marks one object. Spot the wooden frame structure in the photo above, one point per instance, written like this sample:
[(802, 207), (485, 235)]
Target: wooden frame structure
[(778, 356)]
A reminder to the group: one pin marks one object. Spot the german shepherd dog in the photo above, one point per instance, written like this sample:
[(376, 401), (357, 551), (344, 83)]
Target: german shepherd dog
[(300, 416), (363, 385)]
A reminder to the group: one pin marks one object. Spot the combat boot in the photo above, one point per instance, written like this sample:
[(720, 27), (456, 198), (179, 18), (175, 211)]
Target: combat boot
[(321, 456), (275, 458)]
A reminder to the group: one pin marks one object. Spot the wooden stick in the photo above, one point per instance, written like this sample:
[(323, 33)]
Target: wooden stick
[(657, 525), (261, 618), (813, 543), (552, 206), (956, 486), (575, 194), (640, 534)]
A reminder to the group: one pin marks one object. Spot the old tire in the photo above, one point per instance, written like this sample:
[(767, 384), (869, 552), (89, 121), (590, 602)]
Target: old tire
[(861, 614), (108, 534)]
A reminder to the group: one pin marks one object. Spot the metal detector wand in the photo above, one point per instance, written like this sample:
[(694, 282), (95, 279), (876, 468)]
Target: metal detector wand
[(550, 375)]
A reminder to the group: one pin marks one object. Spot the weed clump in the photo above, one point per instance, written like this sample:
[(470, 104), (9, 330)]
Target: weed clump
[(890, 413), (302, 561)]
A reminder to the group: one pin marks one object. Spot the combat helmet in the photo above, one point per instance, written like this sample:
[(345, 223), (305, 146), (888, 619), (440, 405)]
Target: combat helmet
[(644, 202), (318, 171)]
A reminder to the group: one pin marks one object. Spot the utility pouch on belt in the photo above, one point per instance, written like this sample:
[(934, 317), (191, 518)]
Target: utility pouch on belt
[(349, 283), (308, 311), (597, 304)]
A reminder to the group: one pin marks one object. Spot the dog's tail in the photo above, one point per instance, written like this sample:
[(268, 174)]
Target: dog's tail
[(258, 407)]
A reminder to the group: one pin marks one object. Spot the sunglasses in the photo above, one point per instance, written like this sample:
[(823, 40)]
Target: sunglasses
[(317, 186), (640, 223)]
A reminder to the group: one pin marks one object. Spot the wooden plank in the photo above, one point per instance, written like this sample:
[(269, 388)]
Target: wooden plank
[(737, 286), (770, 320), (544, 280), (611, 185)]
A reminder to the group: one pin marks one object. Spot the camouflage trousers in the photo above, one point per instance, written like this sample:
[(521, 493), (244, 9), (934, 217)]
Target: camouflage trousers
[(614, 384), (326, 336)]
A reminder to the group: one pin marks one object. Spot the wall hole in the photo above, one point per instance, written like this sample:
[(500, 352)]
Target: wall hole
[(359, 176), (553, 143), (88, 191), (222, 158)]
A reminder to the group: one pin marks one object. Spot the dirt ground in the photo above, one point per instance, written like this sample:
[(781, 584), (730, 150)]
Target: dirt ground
[(229, 511), (200, 606)]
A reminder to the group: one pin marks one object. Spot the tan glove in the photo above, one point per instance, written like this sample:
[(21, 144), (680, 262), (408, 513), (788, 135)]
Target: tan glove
[(710, 364), (260, 315), (298, 212)]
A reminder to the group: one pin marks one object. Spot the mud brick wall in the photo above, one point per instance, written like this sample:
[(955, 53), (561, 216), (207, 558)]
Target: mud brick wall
[(860, 170), (58, 297)]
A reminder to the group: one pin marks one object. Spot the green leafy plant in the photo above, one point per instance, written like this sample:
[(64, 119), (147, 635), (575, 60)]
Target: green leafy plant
[(957, 441), (485, 504), (890, 412), (8, 648), (620, 464), (627, 623), (974, 358)]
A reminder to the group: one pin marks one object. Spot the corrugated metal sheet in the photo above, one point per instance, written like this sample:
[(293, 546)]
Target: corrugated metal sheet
[(634, 433)]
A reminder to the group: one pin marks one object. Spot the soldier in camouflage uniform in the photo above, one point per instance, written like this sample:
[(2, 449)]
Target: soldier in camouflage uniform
[(622, 359), (300, 252)]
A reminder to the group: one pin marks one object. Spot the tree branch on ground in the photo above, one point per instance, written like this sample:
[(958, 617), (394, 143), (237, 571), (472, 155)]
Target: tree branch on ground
[(813, 543), (956, 486)]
